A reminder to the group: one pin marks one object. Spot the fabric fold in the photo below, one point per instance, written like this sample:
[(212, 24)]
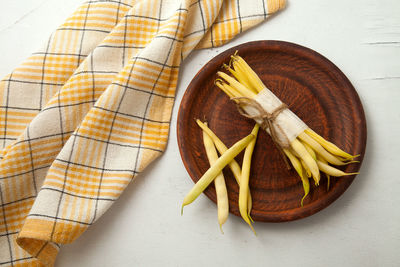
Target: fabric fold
[(83, 116)]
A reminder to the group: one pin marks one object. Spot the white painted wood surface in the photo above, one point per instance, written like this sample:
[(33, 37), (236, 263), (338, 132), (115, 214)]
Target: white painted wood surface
[(362, 228)]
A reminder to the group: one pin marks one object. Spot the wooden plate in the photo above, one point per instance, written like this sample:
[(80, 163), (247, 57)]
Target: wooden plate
[(313, 87)]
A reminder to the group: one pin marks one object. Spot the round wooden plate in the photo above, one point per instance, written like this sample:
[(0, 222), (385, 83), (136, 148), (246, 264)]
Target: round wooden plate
[(313, 88)]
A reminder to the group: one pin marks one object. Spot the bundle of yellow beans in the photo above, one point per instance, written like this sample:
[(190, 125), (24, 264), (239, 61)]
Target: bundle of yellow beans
[(308, 152)]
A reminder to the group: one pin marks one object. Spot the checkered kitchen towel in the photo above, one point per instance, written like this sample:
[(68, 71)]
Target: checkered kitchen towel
[(91, 109)]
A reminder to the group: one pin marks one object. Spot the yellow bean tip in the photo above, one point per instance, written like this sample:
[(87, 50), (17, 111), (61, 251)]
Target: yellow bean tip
[(254, 231), (351, 157), (182, 209), (247, 220), (201, 123), (218, 82), (220, 228), (251, 219), (349, 162), (233, 58), (302, 199), (317, 178), (220, 73), (235, 54), (328, 177), (228, 67)]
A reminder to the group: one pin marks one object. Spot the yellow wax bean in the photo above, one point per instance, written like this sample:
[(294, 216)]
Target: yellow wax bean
[(244, 181), (229, 90), (293, 159), (328, 177), (305, 170), (252, 76), (331, 170), (310, 150), (243, 78), (239, 76), (298, 167), (308, 160), (215, 169), (332, 148), (320, 150), (244, 91), (306, 186), (305, 167), (219, 182), (233, 165), (232, 90), (222, 87)]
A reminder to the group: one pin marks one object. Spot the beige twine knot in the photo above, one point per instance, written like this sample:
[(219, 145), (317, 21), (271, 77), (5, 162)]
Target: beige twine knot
[(267, 121)]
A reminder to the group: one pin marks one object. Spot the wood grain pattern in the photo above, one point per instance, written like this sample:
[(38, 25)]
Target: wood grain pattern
[(313, 87)]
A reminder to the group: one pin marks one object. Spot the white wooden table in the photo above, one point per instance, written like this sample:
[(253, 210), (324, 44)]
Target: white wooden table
[(361, 228)]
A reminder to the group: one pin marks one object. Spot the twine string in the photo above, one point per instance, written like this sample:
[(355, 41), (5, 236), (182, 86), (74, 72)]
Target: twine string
[(267, 120)]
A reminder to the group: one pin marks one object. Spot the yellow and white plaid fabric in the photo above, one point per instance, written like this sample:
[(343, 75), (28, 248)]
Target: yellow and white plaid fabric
[(91, 109)]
